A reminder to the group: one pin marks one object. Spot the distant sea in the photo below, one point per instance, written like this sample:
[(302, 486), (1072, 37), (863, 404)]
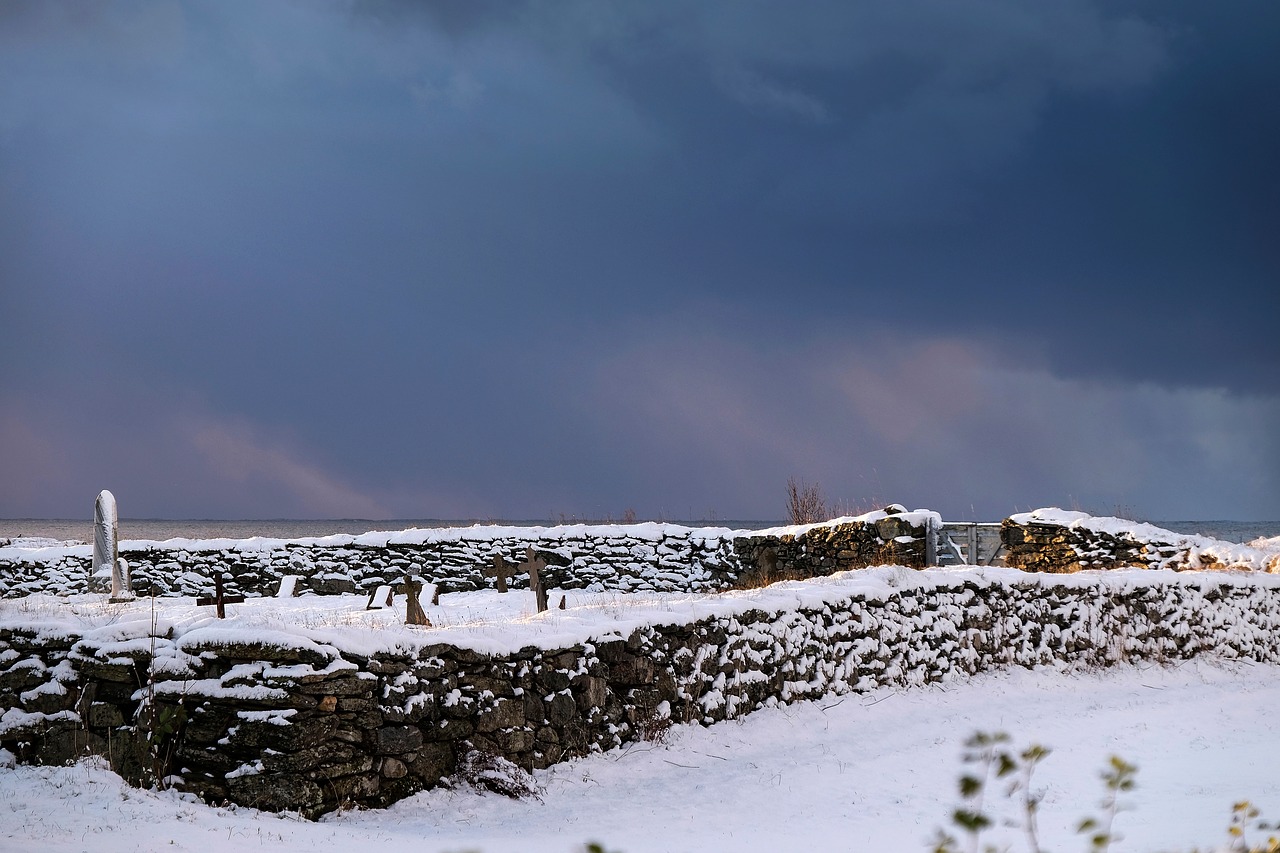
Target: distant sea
[(81, 530)]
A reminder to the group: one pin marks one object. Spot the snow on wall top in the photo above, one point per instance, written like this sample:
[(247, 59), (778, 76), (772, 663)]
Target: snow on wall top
[(916, 518), (495, 623), (649, 531), (653, 531)]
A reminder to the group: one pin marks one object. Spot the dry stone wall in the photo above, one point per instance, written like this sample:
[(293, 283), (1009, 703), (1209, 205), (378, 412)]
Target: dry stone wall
[(283, 722), (896, 539), (676, 558), (1058, 541), (638, 558)]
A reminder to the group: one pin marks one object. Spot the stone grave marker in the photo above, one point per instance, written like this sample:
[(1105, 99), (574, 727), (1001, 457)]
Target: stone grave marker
[(534, 564), (380, 598), (501, 572), (106, 556), (413, 612), (219, 599)]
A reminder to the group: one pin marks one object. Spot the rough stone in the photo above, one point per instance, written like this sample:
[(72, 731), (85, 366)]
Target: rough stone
[(434, 761), (393, 740), (104, 715), (504, 714)]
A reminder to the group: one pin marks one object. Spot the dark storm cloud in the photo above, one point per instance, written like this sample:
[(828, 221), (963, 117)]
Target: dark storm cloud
[(435, 258)]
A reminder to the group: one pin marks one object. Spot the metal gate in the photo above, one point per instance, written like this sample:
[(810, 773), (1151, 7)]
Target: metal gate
[(975, 543)]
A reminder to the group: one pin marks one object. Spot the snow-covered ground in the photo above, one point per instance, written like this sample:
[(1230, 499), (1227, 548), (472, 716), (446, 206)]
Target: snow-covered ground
[(874, 772)]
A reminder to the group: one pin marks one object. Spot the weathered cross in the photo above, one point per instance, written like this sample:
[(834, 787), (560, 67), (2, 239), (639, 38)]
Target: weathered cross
[(413, 612), (501, 571), (534, 564), (219, 598)]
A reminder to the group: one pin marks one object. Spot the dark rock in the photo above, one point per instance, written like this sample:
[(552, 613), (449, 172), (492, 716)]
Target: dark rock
[(504, 714), (392, 740), (561, 709), (104, 715), (435, 760)]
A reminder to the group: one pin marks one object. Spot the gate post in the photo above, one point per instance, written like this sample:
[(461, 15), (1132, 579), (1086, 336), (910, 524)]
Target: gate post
[(931, 531)]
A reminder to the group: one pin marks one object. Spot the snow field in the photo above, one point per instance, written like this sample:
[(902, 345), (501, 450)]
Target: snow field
[(875, 772)]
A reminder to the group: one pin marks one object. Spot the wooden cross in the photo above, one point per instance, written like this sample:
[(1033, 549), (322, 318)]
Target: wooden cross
[(219, 598), (501, 571), (534, 564)]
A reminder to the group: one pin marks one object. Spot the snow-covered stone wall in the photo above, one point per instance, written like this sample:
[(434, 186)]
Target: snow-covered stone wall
[(1055, 540), (296, 718), (627, 558)]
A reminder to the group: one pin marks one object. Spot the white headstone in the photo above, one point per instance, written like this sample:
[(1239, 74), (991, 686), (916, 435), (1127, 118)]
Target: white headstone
[(288, 586), (105, 555), (380, 598)]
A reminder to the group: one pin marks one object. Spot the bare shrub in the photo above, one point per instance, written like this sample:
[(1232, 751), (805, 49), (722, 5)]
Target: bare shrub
[(805, 502), (652, 721)]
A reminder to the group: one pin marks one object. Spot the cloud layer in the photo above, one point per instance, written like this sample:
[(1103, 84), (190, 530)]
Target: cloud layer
[(473, 259)]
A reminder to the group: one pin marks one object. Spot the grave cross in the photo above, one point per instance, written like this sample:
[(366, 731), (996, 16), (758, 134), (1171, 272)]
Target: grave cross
[(501, 571), (534, 564), (219, 598), (413, 612)]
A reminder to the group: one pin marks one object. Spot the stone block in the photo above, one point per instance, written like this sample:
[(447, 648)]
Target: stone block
[(393, 768), (591, 692), (550, 680), (434, 761), (504, 713), (277, 793), (631, 670), (392, 740), (103, 715), (345, 686), (561, 709), (514, 741), (298, 734)]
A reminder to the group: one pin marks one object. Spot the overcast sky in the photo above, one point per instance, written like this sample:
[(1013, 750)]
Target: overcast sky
[(512, 260)]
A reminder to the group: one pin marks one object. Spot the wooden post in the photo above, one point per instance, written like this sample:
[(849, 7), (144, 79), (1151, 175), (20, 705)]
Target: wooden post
[(931, 531)]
